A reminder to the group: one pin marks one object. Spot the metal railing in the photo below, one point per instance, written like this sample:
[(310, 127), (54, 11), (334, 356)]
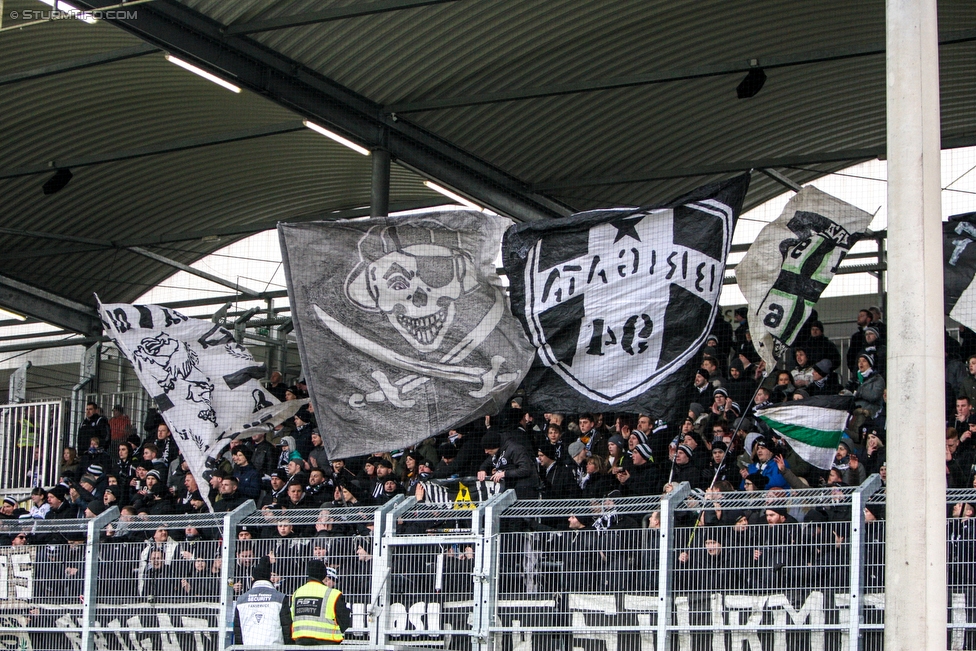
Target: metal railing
[(687, 570), (30, 445), (135, 403)]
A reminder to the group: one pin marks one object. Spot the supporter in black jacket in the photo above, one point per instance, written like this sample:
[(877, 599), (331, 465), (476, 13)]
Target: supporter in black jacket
[(264, 456), (820, 347), (642, 477), (825, 382), (509, 463), (557, 480), (740, 387)]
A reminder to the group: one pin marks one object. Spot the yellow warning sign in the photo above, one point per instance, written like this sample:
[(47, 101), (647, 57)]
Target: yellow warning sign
[(463, 499)]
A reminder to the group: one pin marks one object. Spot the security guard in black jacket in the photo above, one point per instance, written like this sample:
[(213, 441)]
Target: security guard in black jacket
[(318, 611)]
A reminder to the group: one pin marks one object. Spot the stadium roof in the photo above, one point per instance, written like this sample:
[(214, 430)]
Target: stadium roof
[(534, 108)]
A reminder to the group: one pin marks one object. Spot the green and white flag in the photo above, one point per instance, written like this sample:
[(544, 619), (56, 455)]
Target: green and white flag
[(812, 427), (791, 262)]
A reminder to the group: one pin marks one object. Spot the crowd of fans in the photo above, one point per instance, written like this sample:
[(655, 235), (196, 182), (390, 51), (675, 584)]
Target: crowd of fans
[(717, 445), (717, 438)]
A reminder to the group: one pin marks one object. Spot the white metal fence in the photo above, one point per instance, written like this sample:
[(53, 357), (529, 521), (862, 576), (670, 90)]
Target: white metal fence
[(688, 571), (31, 436)]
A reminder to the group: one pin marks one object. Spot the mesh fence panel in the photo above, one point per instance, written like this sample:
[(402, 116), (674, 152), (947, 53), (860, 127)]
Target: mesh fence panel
[(30, 446), (770, 570)]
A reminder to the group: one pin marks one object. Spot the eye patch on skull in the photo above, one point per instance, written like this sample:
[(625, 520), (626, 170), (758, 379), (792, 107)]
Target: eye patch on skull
[(435, 271)]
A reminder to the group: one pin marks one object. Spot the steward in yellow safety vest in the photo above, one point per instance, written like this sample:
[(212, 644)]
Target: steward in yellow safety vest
[(318, 612)]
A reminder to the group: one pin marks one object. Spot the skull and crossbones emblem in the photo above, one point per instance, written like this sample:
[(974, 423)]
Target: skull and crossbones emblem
[(414, 274), (415, 282)]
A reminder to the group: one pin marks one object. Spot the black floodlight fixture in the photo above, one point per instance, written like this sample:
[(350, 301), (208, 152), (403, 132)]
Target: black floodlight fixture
[(752, 84), (57, 182)]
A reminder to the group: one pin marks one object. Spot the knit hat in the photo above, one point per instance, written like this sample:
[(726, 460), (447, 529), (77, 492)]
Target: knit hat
[(760, 440), (758, 480), (416, 456), (95, 470), (702, 372), (641, 436), (317, 570), (9, 500), (742, 311), (720, 445), (688, 451), (154, 473), (823, 367), (575, 448), (280, 474), (696, 409), (721, 391), (874, 431), (289, 441), (295, 455), (491, 441), (867, 356), (447, 450), (737, 365), (618, 440), (96, 507), (547, 449), (645, 451), (877, 333), (261, 570)]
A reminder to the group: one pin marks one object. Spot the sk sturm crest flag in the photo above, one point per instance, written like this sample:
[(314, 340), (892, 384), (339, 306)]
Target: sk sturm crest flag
[(204, 382), (791, 262), (618, 302), (959, 255), (403, 326), (812, 427)]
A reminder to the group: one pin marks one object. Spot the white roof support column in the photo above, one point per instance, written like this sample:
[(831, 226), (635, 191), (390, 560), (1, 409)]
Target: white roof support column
[(915, 607)]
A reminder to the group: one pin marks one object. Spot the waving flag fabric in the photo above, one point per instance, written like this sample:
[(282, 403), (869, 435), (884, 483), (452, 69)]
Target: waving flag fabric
[(959, 256), (618, 302), (812, 426), (204, 382), (403, 326), (790, 264)]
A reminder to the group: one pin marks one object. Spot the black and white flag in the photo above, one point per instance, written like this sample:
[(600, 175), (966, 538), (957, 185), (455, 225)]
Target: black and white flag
[(618, 302), (790, 264), (959, 264), (403, 326), (205, 384)]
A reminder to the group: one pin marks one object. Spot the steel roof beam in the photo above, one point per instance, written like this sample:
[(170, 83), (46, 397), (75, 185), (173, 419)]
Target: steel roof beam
[(194, 37), (851, 155), (50, 308), (340, 13), (664, 76), (154, 150), (70, 65), (195, 272), (87, 245)]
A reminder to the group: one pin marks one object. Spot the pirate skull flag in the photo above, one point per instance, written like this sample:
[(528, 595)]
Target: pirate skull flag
[(791, 262), (402, 324), (618, 302), (204, 382)]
